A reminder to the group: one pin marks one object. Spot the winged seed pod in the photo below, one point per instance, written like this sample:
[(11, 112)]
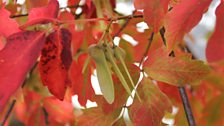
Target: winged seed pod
[(103, 72), (120, 55), (110, 57)]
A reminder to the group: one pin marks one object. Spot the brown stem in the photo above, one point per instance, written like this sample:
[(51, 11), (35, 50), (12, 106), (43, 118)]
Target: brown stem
[(101, 19), (19, 15), (122, 28), (8, 112), (187, 107)]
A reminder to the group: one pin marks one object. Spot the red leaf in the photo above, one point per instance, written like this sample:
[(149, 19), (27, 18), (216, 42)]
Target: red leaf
[(10, 26), (154, 104), (60, 111), (55, 61), (73, 2), (170, 90), (37, 117), (182, 18), (42, 15), (215, 47), (81, 82), (77, 36), (154, 12), (66, 55), (16, 59), (1, 43), (35, 3)]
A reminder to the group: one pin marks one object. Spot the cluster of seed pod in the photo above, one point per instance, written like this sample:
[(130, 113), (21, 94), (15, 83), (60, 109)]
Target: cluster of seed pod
[(104, 56)]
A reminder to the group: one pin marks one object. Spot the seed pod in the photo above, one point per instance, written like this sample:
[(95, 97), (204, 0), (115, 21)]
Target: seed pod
[(119, 52), (120, 55), (103, 72), (110, 57)]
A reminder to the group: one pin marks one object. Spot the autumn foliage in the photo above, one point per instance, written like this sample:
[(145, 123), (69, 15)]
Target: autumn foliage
[(49, 54)]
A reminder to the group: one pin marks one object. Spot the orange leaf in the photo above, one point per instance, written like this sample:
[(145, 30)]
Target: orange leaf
[(37, 117), (178, 71), (213, 111), (60, 111), (154, 104)]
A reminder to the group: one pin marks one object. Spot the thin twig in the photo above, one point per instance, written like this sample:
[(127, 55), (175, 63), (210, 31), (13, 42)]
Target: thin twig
[(8, 112), (147, 49), (19, 15), (106, 32), (187, 107), (101, 19), (123, 26)]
